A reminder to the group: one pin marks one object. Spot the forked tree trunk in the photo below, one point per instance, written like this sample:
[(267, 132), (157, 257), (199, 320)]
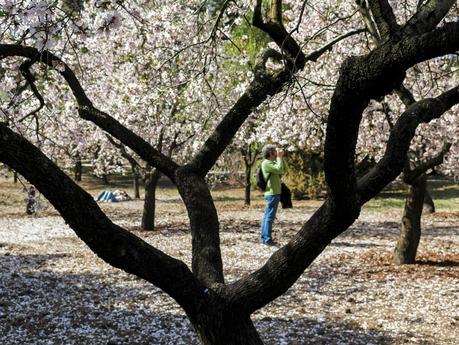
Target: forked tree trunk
[(248, 185), (149, 205), (429, 205), (410, 230)]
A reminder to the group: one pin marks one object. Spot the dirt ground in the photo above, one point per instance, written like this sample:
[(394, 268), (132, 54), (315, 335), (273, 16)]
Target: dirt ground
[(54, 290)]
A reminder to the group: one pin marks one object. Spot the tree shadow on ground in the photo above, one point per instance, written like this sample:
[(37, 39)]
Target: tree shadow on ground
[(313, 332), (443, 189), (445, 263), (40, 305)]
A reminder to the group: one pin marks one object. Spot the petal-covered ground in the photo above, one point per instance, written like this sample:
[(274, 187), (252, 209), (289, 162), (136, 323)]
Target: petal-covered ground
[(54, 290)]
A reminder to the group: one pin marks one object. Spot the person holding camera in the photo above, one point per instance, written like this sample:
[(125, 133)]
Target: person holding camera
[(273, 166)]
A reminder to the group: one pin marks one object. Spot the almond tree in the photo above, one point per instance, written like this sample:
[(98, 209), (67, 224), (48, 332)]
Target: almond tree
[(220, 311), (430, 144)]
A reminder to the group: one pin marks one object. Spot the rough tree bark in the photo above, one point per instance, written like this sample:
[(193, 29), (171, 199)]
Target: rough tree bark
[(429, 205), (248, 185), (149, 205), (249, 156), (410, 229), (382, 25), (221, 312), (417, 197)]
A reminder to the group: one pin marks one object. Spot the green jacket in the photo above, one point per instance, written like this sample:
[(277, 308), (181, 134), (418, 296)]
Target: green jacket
[(276, 169)]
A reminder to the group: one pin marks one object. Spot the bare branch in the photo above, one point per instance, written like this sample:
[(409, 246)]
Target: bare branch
[(319, 52)]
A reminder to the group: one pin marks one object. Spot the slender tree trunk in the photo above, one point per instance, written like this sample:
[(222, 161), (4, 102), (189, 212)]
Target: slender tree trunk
[(148, 216), (15, 176), (78, 169), (248, 185), (136, 181), (105, 179), (410, 230), (429, 205)]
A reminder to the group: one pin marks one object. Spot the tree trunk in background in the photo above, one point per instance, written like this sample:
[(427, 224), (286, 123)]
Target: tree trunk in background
[(105, 179), (429, 206), (248, 185), (78, 169), (249, 156), (136, 181), (148, 216), (410, 230), (15, 177)]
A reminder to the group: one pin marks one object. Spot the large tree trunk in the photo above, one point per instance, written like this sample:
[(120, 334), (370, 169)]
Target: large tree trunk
[(410, 230), (429, 205), (218, 328), (248, 185), (148, 216)]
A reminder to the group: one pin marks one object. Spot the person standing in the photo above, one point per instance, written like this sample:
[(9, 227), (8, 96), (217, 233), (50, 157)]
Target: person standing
[(273, 166)]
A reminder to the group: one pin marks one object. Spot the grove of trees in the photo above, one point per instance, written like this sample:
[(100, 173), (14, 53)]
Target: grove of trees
[(170, 85)]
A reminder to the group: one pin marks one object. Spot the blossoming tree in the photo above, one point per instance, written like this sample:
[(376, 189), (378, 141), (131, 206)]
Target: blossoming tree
[(220, 310)]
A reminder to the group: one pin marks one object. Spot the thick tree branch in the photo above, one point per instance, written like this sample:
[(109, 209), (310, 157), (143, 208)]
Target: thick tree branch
[(362, 78), (405, 95), (368, 20), (385, 20), (284, 267), (371, 77), (113, 244), (262, 86), (394, 159), (276, 11), (87, 111), (275, 29), (428, 16)]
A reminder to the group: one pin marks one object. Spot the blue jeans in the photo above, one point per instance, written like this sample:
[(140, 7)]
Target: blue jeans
[(272, 201)]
